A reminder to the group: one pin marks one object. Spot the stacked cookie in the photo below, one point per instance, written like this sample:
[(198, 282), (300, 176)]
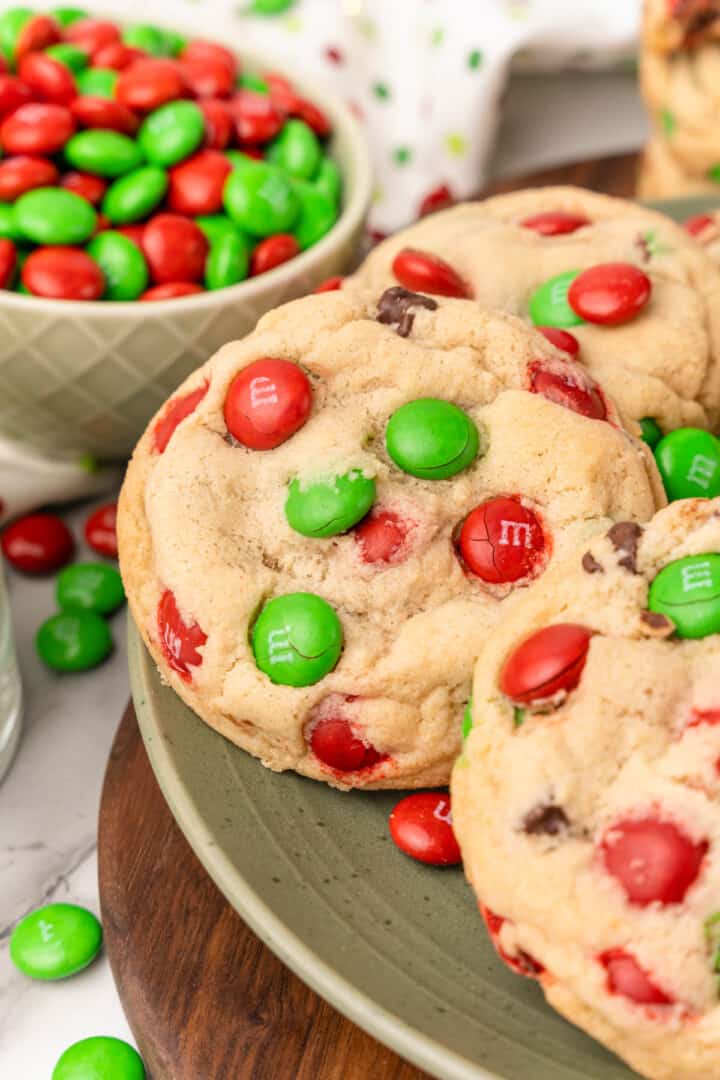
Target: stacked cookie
[(680, 81), (333, 519)]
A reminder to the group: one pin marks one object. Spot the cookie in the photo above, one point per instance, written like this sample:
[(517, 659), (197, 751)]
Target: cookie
[(587, 799), (672, 25), (705, 228), (682, 93), (319, 530), (660, 175), (658, 357)]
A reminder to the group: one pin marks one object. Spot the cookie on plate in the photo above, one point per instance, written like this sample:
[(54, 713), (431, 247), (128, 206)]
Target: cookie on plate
[(587, 798), (682, 93), (318, 531), (626, 282)]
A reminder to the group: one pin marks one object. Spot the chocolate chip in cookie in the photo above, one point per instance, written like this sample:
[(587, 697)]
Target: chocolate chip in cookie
[(657, 624), (590, 564), (394, 308), (546, 819), (624, 537)]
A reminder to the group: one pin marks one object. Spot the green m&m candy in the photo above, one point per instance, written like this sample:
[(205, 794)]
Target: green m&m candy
[(329, 507), (260, 198), (97, 82), (135, 195), (549, 303), (151, 39), (8, 225), (228, 260), (122, 263), (103, 153), (100, 1058), (73, 641), (318, 214), (91, 586), (688, 592), (66, 16), (269, 7), (297, 639), (55, 941), (296, 150), (432, 439), (71, 56), (12, 23), (329, 179), (689, 463), (54, 216), (248, 80), (215, 225), (467, 723), (650, 432), (172, 132)]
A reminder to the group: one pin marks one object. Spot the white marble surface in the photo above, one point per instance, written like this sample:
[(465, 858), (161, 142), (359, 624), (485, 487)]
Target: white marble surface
[(49, 802)]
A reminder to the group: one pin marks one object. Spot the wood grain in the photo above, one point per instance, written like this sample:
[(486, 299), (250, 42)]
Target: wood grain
[(206, 1000)]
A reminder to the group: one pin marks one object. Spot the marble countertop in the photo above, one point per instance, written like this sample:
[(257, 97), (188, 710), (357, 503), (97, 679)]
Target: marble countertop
[(49, 800)]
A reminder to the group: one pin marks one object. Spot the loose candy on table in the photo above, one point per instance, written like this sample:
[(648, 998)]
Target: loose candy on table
[(329, 507), (73, 641), (38, 544), (55, 941), (100, 1056), (100, 530), (421, 826), (90, 586), (432, 439), (688, 460), (687, 591), (297, 639)]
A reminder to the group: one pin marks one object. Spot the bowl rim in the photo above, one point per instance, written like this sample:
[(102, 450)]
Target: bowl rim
[(359, 168)]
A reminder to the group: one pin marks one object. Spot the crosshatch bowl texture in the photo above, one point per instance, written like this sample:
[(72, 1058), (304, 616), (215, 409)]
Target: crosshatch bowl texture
[(87, 377)]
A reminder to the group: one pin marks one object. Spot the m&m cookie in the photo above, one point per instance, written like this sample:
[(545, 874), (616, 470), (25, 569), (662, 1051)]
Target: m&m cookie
[(633, 296), (318, 531), (586, 801)]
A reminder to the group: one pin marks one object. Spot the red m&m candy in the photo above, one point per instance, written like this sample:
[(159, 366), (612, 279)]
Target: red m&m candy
[(13, 94), (99, 112), (519, 962), (38, 544), (267, 403), (554, 222), (8, 263), (549, 661), (23, 173), (101, 530), (175, 248), (437, 199), (92, 34), (337, 745), (626, 978), (421, 826), (48, 79), (148, 84), (179, 640), (272, 252), (63, 273), (171, 290), (219, 124), (175, 412), (208, 77), (198, 49), (421, 271), (582, 397), (502, 541), (653, 860), (256, 118), (561, 339), (609, 294), (36, 129), (116, 56), (39, 32), (381, 537), (86, 185), (196, 185), (698, 223), (331, 284)]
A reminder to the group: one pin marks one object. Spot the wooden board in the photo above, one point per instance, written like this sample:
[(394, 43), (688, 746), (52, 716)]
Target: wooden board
[(206, 1000)]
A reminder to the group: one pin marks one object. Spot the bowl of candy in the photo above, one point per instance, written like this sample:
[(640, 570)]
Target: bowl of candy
[(158, 194)]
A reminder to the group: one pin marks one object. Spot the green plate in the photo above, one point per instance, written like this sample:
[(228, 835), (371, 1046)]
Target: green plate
[(398, 947)]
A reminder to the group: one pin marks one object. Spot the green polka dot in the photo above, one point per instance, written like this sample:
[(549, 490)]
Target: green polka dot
[(381, 91), (437, 37), (456, 143), (668, 122), (402, 155), (293, 24), (475, 59)]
